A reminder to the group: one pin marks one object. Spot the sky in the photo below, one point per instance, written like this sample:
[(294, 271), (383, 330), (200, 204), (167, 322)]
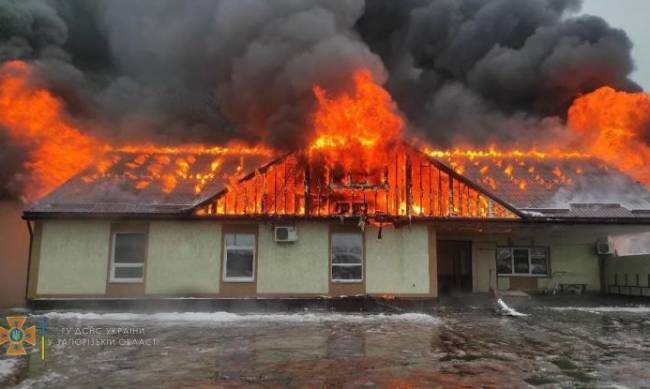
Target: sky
[(631, 16)]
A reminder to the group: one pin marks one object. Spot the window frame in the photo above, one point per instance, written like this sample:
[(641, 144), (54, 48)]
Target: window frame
[(113, 265), (224, 276), (546, 249), (361, 264)]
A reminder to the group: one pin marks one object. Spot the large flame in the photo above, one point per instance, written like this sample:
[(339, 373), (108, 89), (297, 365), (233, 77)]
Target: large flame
[(34, 119), (57, 150), (358, 128), (355, 149), (356, 165), (615, 126)]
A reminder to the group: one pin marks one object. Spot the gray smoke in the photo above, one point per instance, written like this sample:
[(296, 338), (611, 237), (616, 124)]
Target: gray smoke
[(171, 71), (472, 68)]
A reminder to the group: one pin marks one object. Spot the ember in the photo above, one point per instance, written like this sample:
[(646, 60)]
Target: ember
[(517, 167)]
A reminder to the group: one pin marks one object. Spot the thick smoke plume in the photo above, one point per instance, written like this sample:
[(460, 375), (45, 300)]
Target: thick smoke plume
[(169, 71)]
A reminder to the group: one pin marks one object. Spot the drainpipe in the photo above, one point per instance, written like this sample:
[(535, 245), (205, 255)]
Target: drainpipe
[(29, 258)]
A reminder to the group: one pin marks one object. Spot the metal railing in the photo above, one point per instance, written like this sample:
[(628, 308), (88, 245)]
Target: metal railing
[(630, 285)]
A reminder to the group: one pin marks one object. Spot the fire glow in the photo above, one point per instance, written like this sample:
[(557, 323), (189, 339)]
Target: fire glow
[(57, 150), (33, 118), (615, 127), (356, 163)]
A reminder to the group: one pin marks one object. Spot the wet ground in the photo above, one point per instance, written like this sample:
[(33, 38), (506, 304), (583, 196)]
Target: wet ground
[(576, 342)]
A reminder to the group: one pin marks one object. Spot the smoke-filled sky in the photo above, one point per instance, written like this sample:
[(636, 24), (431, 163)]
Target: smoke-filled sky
[(169, 71)]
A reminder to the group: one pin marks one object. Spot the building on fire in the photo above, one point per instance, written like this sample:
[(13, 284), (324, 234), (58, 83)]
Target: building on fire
[(417, 225)]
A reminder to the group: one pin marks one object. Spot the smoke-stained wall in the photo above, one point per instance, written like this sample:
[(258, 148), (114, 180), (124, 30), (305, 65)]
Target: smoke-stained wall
[(211, 71)]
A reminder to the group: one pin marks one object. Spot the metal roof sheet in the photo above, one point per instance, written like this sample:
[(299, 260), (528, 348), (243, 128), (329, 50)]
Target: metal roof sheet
[(146, 183), (543, 183)]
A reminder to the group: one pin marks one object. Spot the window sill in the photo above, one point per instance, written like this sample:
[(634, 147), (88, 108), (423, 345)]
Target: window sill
[(236, 281), (138, 281), (347, 281)]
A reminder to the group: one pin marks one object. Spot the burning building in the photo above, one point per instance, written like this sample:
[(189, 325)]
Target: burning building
[(357, 212), (322, 148)]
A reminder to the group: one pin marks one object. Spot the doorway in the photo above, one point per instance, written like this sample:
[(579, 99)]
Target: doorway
[(454, 266)]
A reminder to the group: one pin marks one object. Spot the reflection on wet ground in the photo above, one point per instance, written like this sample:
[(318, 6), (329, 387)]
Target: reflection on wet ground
[(462, 344)]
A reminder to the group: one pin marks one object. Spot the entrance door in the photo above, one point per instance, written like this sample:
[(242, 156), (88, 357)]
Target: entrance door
[(454, 266)]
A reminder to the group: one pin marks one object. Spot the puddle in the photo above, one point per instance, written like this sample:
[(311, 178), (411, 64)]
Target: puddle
[(455, 346)]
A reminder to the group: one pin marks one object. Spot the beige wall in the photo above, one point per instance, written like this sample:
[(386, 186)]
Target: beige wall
[(300, 267), (398, 263), (183, 257), (73, 257)]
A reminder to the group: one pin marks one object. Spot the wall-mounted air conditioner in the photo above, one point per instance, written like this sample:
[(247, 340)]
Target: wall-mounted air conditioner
[(604, 248), (285, 234)]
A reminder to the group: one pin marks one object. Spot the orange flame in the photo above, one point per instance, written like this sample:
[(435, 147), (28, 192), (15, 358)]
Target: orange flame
[(356, 129), (615, 126), (34, 119), (354, 152), (356, 165)]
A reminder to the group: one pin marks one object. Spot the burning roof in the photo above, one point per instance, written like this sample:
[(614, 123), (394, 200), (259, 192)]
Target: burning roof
[(537, 180), (413, 184), (156, 181), (450, 84), (356, 165)]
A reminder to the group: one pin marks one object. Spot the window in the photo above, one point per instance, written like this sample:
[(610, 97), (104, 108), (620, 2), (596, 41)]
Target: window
[(347, 257), (239, 257), (129, 250), (522, 261)]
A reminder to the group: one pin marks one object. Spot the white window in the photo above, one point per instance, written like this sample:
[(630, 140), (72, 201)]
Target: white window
[(239, 257), (347, 257), (526, 261), (127, 262)]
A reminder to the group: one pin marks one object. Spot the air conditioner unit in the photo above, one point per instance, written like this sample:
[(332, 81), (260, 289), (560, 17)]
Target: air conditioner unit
[(285, 234), (604, 248)]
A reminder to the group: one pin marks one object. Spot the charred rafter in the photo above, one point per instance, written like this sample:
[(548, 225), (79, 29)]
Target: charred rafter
[(410, 184)]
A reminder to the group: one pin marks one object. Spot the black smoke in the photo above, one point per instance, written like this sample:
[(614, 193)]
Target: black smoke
[(173, 71)]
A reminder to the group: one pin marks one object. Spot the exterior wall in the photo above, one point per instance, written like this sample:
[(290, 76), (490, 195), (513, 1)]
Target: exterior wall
[(13, 256), (73, 257), (398, 263), (572, 262), (616, 268), (294, 268), (183, 258), (573, 259)]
